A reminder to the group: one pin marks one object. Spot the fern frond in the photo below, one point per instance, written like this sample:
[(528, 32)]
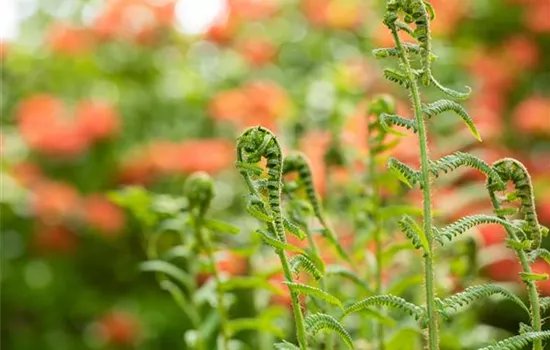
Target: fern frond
[(385, 52), (542, 253), (464, 224), (302, 262), (389, 120), (544, 303), (511, 169), (410, 228), (313, 292), (386, 300), (405, 173), (257, 208), (319, 321), (442, 106), (471, 294), (276, 244), (458, 159), (518, 342), (457, 95), (293, 229), (404, 27), (397, 77)]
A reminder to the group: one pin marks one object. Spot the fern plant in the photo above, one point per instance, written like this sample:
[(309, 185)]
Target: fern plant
[(414, 71), (265, 203)]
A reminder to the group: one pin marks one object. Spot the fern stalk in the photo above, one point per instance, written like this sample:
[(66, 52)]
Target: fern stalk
[(433, 334), (533, 294)]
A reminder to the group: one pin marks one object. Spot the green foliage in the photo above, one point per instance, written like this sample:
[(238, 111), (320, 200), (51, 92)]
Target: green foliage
[(464, 224), (302, 262), (519, 341), (474, 293), (443, 106), (317, 322), (386, 300), (459, 159), (314, 292)]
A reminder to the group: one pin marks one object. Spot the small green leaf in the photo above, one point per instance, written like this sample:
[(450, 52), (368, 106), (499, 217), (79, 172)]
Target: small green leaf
[(313, 292), (531, 276)]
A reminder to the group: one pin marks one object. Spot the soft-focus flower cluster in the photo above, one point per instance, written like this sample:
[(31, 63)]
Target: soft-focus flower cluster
[(49, 127)]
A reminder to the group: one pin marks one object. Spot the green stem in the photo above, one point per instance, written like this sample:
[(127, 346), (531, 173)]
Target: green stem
[(433, 332), (296, 309), (222, 311), (531, 286)]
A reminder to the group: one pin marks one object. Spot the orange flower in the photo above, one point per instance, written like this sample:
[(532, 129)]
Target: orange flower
[(97, 119), (54, 239), (37, 113), (53, 201), (257, 51), (103, 215), (449, 13), (344, 14), (229, 105), (336, 14), (522, 52), (315, 11), (119, 328), (223, 30), (67, 39), (492, 70), (209, 155), (541, 266), (255, 103), (533, 115), (137, 170), (41, 123), (536, 16), (228, 263), (267, 102), (254, 9), (136, 20), (492, 234), (505, 270)]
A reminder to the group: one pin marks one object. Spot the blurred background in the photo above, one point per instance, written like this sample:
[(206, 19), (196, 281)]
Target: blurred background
[(97, 95)]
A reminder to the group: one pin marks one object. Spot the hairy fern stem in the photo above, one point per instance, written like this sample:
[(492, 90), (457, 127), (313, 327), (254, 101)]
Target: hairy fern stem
[(432, 314)]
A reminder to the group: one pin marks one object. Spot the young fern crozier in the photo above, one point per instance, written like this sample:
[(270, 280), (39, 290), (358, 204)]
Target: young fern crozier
[(253, 145)]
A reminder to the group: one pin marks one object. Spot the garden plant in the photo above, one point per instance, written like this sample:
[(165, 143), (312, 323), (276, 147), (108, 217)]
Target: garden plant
[(302, 175)]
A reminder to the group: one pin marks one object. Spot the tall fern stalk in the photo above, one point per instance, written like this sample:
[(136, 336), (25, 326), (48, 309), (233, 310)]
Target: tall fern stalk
[(433, 336)]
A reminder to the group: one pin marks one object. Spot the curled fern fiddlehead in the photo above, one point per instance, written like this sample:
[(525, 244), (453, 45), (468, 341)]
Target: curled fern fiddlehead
[(253, 145), (512, 170), (297, 162)]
